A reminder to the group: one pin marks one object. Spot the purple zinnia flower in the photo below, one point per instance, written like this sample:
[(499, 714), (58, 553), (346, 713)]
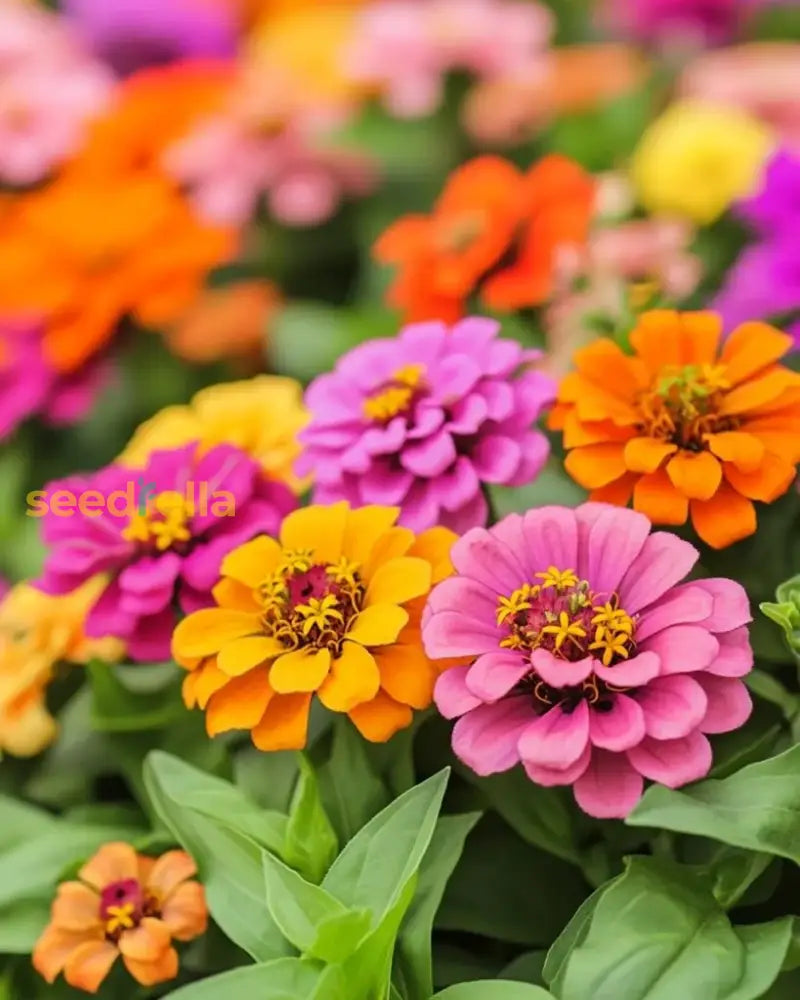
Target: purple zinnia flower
[(775, 209), (422, 420), (131, 34), (693, 21), (590, 662), (159, 533)]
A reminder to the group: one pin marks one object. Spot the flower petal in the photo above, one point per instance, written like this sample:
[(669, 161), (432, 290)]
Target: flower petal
[(751, 347), (556, 739), (486, 738), (561, 673), (353, 679), (609, 788), (76, 907), (240, 704), (724, 519), (735, 656), (89, 964), (319, 528), (378, 625), (147, 942), (284, 725), (664, 560), (185, 913), (451, 694), (241, 655), (744, 451), (729, 704), (150, 973), (300, 671), (168, 872), (696, 474), (639, 670), (205, 632), (673, 762), (398, 581), (252, 562), (114, 862), (619, 727), (493, 675), (378, 720), (673, 706), (549, 777), (656, 497), (683, 649), (645, 454), (406, 673)]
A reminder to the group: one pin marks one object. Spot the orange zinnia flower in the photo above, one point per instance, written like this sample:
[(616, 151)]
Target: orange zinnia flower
[(494, 231), (333, 607), (124, 904), (685, 428)]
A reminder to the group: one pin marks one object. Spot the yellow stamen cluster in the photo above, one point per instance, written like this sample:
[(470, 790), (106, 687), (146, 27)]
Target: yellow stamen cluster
[(162, 525), (560, 579), (120, 918), (683, 406), (397, 395)]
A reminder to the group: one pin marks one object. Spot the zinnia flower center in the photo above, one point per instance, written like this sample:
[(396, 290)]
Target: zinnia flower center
[(683, 406), (310, 604), (163, 525), (123, 905), (397, 395), (562, 615)]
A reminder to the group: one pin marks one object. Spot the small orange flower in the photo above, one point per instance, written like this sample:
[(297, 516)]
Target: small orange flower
[(124, 904), (494, 231), (332, 608), (685, 428)]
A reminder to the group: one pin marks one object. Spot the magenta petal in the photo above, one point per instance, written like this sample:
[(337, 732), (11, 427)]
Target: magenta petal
[(551, 534), (550, 776), (486, 738), (450, 633), (729, 704), (150, 643), (731, 605), (673, 762), (609, 788), (496, 458), (473, 514), (683, 649), (151, 573), (458, 593), (618, 728), (556, 739), (610, 539), (458, 486), (683, 605), (673, 706), (493, 675), (561, 673), (630, 673), (735, 656), (431, 457), (451, 694), (663, 561), (106, 617)]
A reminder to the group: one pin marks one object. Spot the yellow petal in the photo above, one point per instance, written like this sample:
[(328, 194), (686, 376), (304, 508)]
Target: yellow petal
[(399, 580), (353, 679), (364, 527), (241, 655), (434, 546), (285, 723), (206, 632), (320, 528), (252, 562), (230, 593), (394, 543), (378, 625), (300, 671)]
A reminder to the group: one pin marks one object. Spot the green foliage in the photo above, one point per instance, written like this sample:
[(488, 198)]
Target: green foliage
[(785, 611)]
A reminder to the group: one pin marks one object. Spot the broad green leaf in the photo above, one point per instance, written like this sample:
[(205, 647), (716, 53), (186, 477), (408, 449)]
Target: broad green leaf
[(414, 946), (733, 872), (657, 933), (494, 989), (757, 808), (351, 790), (376, 865), (570, 938), (283, 979), (121, 704), (21, 924), (527, 968), (310, 844), (230, 861), (21, 821), (269, 779), (315, 922)]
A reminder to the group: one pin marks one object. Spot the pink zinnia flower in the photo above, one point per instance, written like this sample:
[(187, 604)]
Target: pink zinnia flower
[(170, 553), (593, 665), (422, 420), (30, 386), (681, 21)]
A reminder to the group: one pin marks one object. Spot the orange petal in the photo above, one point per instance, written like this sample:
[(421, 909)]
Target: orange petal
[(605, 362), (205, 632), (724, 519), (54, 948), (378, 720), (76, 907), (185, 912), (751, 347), (618, 493), (151, 973), (210, 680), (407, 674), (168, 872), (697, 474), (239, 656), (299, 671), (657, 498), (434, 547), (767, 483), (147, 942), (750, 396), (578, 433), (744, 450), (353, 679), (284, 725), (596, 464), (378, 625), (645, 454), (114, 862), (252, 562), (230, 593), (89, 964), (240, 704), (701, 332), (658, 339)]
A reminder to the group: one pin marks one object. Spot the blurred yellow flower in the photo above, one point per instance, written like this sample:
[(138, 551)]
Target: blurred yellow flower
[(696, 159), (38, 631), (262, 416)]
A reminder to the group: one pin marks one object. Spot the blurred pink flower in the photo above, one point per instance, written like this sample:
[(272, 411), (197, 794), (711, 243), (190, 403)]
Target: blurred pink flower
[(406, 47), (681, 22), (49, 89), (760, 78)]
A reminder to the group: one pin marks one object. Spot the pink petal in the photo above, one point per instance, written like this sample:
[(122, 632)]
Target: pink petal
[(731, 605), (550, 776), (631, 673), (431, 457), (460, 593), (551, 535), (673, 762), (735, 656), (496, 458), (482, 555), (610, 539), (561, 673), (451, 694), (486, 738), (493, 675), (618, 728), (683, 649), (609, 788), (450, 633), (663, 561), (729, 704), (556, 739), (686, 604), (673, 706)]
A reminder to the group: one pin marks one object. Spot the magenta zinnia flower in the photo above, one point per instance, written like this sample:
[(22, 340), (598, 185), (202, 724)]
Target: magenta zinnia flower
[(593, 665), (422, 420), (156, 537)]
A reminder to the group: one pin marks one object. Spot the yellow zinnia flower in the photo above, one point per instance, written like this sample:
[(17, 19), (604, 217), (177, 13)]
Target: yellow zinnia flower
[(696, 159), (37, 631), (262, 416), (333, 607)]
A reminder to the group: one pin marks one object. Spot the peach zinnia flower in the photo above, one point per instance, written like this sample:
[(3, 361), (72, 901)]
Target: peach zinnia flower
[(333, 607), (686, 429), (124, 904)]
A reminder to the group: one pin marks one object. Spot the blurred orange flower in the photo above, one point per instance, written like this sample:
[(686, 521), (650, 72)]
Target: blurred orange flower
[(123, 904), (494, 231), (685, 428)]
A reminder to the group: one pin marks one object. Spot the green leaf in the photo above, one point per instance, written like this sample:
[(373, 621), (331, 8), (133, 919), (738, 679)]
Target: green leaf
[(571, 937), (215, 824), (310, 844), (414, 946), (657, 933), (21, 821), (121, 704), (494, 989), (757, 808), (283, 979), (733, 872), (269, 779), (21, 924), (351, 790)]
